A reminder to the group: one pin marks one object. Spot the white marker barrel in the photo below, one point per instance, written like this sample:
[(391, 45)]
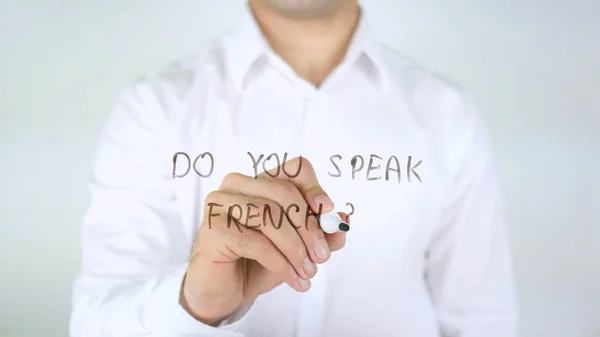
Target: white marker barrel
[(332, 223)]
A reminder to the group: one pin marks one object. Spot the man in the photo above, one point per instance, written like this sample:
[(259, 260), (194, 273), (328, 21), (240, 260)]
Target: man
[(298, 113)]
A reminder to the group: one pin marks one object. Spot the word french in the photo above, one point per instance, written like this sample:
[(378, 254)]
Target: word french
[(236, 216)]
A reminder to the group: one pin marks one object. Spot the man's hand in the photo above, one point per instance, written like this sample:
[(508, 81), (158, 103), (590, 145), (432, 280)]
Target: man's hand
[(235, 260)]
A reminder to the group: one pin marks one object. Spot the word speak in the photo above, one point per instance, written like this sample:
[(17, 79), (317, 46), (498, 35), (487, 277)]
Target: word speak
[(393, 165), (372, 169)]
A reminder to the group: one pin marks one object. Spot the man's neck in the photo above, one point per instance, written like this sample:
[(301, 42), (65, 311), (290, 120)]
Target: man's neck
[(312, 47)]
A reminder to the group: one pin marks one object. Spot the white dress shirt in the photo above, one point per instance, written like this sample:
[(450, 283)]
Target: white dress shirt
[(427, 253)]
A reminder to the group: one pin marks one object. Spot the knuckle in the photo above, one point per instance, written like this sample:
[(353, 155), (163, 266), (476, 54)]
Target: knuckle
[(338, 244), (299, 159), (305, 162), (264, 245), (300, 251), (283, 267), (274, 208), (230, 178), (312, 225), (212, 197), (241, 243), (293, 163), (256, 201), (285, 190), (316, 190)]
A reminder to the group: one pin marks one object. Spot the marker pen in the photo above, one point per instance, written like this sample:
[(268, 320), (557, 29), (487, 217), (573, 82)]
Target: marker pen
[(331, 222)]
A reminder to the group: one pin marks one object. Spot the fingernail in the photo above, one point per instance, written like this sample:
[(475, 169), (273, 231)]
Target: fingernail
[(322, 249), (325, 201), (304, 284), (310, 267)]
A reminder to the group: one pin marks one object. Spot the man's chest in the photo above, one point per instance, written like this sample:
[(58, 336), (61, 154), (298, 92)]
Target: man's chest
[(366, 155)]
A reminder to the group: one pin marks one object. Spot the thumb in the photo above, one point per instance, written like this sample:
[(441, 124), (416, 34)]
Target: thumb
[(317, 199)]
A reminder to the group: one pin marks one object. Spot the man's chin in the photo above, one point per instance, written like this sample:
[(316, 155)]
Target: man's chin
[(305, 10)]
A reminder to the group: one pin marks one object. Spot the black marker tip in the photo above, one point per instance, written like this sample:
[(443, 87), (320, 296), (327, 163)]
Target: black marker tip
[(344, 227)]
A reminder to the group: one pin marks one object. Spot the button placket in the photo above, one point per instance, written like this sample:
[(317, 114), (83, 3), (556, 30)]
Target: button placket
[(317, 111), (312, 306)]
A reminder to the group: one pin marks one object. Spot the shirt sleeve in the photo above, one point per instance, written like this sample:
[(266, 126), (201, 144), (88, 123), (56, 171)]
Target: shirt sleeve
[(134, 246), (469, 268)]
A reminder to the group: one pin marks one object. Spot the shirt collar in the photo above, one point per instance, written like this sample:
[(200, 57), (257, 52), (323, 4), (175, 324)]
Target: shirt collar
[(244, 47), (365, 47), (247, 45)]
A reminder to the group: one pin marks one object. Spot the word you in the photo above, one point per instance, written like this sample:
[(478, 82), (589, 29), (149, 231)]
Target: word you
[(356, 164)]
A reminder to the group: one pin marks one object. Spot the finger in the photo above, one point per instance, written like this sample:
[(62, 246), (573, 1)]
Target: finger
[(300, 172), (345, 217), (337, 241), (254, 245), (241, 211), (295, 208), (260, 280), (248, 212)]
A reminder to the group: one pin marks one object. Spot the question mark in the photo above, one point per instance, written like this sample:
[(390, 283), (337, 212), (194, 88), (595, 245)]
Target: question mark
[(351, 206)]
